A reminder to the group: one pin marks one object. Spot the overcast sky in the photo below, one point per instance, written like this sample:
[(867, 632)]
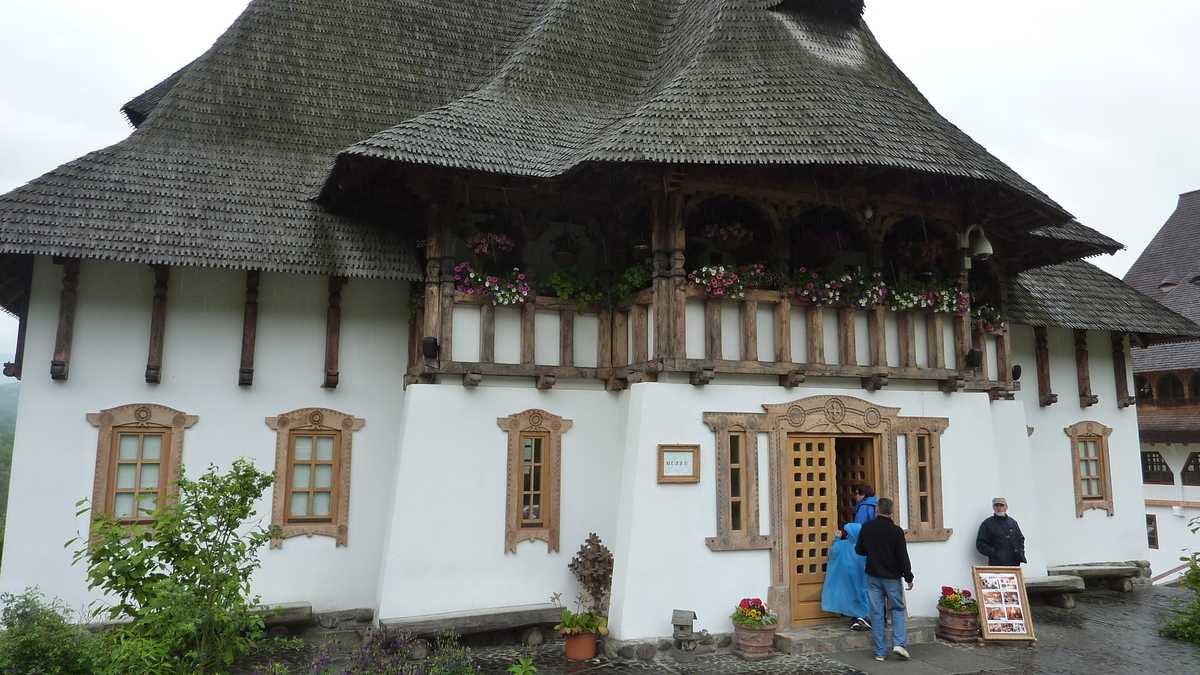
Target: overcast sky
[(1094, 101)]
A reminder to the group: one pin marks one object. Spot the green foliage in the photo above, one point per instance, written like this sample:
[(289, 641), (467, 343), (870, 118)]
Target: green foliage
[(1185, 625), (387, 653), (632, 281), (574, 623), (36, 636), (569, 287), (183, 580), (523, 666)]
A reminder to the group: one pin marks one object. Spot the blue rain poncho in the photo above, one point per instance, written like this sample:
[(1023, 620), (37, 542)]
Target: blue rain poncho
[(845, 590)]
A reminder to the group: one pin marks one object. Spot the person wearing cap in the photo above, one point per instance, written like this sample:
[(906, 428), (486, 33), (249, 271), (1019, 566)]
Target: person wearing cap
[(1000, 538)]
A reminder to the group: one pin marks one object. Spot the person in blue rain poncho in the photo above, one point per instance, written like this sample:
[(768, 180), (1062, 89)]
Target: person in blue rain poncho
[(845, 590)]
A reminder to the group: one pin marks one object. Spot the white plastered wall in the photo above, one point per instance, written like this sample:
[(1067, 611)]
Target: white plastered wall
[(55, 451)]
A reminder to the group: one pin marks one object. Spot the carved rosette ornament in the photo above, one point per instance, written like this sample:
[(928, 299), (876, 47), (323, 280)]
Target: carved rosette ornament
[(313, 420), (872, 417)]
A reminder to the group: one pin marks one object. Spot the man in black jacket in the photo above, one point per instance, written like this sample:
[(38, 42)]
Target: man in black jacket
[(1000, 537), (882, 542)]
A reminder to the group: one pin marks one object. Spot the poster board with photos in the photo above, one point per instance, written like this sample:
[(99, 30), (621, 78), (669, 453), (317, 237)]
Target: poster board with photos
[(1003, 603)]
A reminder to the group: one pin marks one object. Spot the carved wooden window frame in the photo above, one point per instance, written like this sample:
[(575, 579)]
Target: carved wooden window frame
[(552, 427), (1190, 474), (1152, 531), (317, 421), (140, 418), (1152, 459), (1091, 431), (914, 429), (746, 426)]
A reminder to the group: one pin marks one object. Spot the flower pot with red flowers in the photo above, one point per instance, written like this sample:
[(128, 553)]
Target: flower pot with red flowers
[(580, 630), (958, 615), (754, 629)]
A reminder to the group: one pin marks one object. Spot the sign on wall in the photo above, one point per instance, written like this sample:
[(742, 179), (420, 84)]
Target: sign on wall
[(1003, 603), (679, 464)]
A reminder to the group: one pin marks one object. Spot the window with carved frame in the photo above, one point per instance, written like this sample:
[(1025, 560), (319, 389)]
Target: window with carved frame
[(1152, 530), (533, 490), (1191, 470), (1155, 470), (313, 451), (737, 480), (138, 452), (1090, 466), (923, 467)]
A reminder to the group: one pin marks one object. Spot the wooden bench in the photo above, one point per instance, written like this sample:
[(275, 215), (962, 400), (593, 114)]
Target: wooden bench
[(1118, 577), (1057, 589), (475, 620)]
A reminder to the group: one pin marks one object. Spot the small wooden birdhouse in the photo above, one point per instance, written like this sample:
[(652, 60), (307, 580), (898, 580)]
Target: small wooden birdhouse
[(682, 620)]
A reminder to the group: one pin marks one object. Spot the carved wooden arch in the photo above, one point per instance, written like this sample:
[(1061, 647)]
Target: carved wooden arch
[(313, 419), (1099, 432), (533, 421), (143, 417)]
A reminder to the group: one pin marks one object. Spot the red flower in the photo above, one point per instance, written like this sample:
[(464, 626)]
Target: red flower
[(947, 591), (966, 593)]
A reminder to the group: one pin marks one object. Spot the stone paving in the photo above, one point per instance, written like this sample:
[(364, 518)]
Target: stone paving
[(1107, 633)]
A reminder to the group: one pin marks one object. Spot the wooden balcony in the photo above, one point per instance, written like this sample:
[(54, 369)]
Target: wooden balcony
[(761, 334)]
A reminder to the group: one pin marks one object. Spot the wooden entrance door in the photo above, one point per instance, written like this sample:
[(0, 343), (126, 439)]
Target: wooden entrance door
[(855, 466), (812, 519)]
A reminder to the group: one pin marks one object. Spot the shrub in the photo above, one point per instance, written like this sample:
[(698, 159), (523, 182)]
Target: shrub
[(384, 653), (183, 580), (1186, 623), (593, 567), (36, 636)]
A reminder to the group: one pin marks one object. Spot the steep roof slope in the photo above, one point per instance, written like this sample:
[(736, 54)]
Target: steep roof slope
[(1165, 272)]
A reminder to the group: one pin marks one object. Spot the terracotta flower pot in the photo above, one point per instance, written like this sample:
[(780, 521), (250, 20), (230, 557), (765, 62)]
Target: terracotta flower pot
[(581, 646), (956, 626), (754, 642)]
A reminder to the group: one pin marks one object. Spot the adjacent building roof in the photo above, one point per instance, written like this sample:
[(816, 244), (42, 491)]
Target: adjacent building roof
[(1168, 271), (1077, 294)]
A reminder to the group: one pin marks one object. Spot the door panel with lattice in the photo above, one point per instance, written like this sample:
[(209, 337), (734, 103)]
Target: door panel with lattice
[(812, 519), (855, 466)]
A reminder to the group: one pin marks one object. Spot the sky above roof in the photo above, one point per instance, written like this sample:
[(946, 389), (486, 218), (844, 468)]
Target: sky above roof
[(1091, 101)]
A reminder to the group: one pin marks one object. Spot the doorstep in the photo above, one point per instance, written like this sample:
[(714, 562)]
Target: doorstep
[(828, 638)]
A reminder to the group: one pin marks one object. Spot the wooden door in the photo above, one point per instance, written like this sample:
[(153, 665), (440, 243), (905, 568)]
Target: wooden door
[(812, 520), (855, 466)]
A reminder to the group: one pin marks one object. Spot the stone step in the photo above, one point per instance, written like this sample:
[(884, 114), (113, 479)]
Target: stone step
[(1057, 589), (837, 637)]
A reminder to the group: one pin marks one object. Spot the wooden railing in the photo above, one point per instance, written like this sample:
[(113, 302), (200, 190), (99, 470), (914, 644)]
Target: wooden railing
[(763, 333)]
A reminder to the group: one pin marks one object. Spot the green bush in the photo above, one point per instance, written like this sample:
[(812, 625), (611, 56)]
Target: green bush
[(36, 636), (1186, 623), (183, 579)]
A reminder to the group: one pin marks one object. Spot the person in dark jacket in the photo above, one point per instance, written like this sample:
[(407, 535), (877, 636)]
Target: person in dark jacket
[(1000, 538), (866, 504), (882, 542)]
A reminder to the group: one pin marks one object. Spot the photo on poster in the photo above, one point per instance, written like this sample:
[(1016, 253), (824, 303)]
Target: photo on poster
[(1004, 608)]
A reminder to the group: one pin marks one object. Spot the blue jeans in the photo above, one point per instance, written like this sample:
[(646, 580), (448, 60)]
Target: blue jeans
[(883, 591)]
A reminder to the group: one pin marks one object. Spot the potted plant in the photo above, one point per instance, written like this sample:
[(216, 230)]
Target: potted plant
[(958, 615), (754, 629), (593, 567), (580, 630)]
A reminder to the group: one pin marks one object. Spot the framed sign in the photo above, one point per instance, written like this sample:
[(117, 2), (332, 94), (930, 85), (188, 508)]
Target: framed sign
[(1003, 603), (679, 464)]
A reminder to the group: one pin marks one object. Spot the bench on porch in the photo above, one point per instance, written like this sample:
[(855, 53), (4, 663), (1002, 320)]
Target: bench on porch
[(472, 621), (1117, 576), (1056, 589)]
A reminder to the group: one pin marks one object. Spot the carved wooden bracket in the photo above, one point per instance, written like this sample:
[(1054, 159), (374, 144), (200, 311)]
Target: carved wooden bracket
[(1086, 397), (249, 330), (546, 382), (158, 324), (60, 364), (793, 379), (1041, 350), (702, 376), (1120, 371), (333, 331), (875, 382), (472, 378)]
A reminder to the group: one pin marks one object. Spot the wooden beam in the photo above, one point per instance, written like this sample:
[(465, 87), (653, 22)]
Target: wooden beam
[(604, 351), (962, 339), (566, 337), (432, 323), (748, 311), (1041, 351), (487, 333), (677, 242), (1004, 355), (814, 316), (620, 338), (935, 339), (250, 330), (783, 331), (979, 343), (1120, 371), (877, 341), (907, 330), (13, 369), (158, 324), (528, 315), (712, 329), (847, 353), (1082, 371), (333, 331), (60, 363), (641, 340), (662, 285)]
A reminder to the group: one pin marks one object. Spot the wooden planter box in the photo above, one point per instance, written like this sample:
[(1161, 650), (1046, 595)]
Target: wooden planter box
[(957, 626), (754, 643)]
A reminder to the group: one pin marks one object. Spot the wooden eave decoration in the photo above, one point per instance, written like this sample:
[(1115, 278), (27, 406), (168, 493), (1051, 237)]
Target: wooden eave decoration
[(1086, 397), (249, 330), (1046, 397), (158, 324), (553, 426), (60, 363), (333, 332), (313, 420)]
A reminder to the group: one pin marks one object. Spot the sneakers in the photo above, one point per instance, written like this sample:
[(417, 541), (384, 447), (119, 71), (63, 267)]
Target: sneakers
[(880, 658), (901, 652), (860, 624)]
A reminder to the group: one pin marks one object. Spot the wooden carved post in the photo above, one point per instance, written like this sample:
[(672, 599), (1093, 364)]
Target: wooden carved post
[(712, 329), (487, 333), (249, 330), (640, 333), (979, 344), (604, 345), (662, 296), (432, 312), (1042, 354), (815, 316), (748, 311), (1120, 371), (847, 353), (528, 326), (566, 337), (158, 324), (333, 331), (908, 339), (934, 339), (677, 239), (60, 363), (1086, 397), (877, 349), (783, 330), (620, 339)]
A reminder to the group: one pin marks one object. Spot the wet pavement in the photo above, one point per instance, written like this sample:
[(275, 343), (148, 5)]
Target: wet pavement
[(1107, 633)]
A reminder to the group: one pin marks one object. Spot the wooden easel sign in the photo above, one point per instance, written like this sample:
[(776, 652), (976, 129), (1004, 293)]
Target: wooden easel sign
[(1003, 603)]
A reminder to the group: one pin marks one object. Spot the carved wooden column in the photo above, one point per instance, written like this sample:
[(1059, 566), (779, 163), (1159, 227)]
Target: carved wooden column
[(1042, 354), (748, 313), (847, 354), (432, 311), (815, 317), (60, 363), (1120, 371), (677, 241), (249, 330), (877, 349), (907, 331), (1086, 397), (158, 324), (333, 331)]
